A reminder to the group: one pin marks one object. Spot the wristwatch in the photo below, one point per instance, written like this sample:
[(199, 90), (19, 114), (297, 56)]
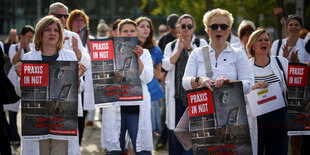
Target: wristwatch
[(197, 79)]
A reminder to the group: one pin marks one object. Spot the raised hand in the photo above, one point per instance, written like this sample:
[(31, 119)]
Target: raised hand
[(286, 50), (294, 57)]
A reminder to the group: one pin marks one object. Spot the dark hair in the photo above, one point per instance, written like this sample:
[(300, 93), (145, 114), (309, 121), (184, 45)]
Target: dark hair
[(25, 29), (115, 24), (248, 29), (184, 16), (292, 16), (150, 40), (172, 20)]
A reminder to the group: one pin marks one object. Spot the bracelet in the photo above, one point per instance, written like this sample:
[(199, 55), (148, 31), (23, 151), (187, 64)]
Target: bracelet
[(197, 79)]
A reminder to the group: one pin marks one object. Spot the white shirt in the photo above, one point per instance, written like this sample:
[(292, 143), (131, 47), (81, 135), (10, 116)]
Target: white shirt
[(170, 87), (230, 64), (303, 56), (85, 58)]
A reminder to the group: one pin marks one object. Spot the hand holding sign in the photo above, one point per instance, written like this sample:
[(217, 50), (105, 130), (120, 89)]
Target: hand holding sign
[(220, 81), (81, 68), (260, 84), (138, 50), (18, 68)]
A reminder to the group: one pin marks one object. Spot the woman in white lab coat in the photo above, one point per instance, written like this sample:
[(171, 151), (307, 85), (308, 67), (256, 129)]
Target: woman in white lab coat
[(49, 46), (138, 117)]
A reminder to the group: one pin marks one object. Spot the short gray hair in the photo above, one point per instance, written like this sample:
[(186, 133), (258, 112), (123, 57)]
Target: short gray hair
[(56, 5)]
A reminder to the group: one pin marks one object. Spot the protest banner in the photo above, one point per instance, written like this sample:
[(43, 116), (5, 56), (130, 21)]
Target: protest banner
[(262, 101), (115, 71), (298, 98), (49, 99), (218, 120)]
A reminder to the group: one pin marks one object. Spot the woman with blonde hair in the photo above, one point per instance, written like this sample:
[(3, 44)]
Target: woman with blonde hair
[(48, 42), (12, 39), (269, 130), (227, 64)]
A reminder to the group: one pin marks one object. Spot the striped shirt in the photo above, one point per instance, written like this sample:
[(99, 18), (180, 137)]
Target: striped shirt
[(265, 73)]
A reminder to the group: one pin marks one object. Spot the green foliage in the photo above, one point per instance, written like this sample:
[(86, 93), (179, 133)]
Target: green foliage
[(258, 11)]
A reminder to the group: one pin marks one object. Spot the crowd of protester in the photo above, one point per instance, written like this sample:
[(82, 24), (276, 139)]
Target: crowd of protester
[(167, 68)]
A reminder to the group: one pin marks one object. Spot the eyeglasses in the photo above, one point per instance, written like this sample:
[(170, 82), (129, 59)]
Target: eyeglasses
[(216, 26), (60, 15), (163, 31), (189, 26), (80, 20)]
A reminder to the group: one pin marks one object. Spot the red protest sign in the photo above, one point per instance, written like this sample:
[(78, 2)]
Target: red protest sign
[(102, 50), (34, 75), (200, 103), (297, 75)]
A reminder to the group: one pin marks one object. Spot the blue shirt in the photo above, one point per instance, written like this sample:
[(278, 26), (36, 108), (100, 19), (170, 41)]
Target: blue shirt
[(154, 86)]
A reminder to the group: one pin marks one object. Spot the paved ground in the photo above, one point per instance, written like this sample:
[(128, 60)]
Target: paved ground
[(91, 140)]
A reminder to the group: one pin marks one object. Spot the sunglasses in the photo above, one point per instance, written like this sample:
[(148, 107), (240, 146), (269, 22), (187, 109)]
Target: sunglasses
[(189, 26), (216, 26), (61, 15)]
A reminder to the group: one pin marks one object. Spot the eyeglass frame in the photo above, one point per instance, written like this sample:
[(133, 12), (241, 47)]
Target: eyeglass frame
[(59, 16), (189, 26), (222, 26)]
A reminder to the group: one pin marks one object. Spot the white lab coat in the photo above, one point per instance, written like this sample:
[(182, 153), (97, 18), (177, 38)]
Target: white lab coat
[(85, 58), (253, 120), (13, 76), (169, 87), (303, 56), (89, 97), (32, 146), (111, 116)]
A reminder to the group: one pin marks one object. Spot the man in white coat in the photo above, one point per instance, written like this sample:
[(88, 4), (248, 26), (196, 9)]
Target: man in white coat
[(72, 40)]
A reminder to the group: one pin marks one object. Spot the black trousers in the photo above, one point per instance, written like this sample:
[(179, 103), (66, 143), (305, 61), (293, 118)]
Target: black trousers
[(272, 133)]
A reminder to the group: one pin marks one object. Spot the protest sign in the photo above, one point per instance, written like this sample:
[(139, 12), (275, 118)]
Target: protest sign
[(49, 98), (219, 125), (298, 99), (115, 71)]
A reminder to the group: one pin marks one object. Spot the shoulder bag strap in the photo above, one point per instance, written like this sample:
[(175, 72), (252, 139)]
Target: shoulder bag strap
[(279, 45), (207, 61), (281, 68)]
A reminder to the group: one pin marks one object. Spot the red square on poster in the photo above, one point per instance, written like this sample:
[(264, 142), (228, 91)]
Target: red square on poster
[(297, 75), (34, 75), (200, 103), (101, 50)]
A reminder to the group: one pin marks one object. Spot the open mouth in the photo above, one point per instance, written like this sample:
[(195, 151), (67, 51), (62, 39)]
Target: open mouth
[(218, 36), (263, 48)]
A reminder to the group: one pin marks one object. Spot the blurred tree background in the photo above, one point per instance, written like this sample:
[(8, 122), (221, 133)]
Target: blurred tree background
[(16, 13)]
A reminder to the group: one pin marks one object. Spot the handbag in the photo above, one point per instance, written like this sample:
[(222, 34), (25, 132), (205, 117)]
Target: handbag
[(181, 131)]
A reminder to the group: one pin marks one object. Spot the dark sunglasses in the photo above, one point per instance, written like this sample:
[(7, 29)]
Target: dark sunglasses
[(216, 26), (189, 26), (61, 15)]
